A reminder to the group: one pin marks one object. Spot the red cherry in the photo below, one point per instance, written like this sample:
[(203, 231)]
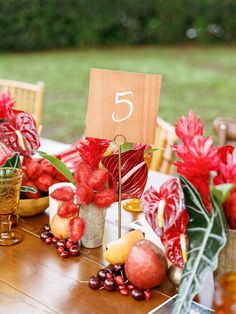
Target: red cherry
[(69, 243), (48, 241), (74, 250), (60, 249), (124, 292), (61, 243), (119, 280), (130, 287), (64, 254), (121, 287), (147, 294), (54, 240), (109, 275)]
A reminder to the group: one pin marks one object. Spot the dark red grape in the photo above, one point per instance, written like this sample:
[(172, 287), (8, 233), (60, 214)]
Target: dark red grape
[(69, 243), (147, 294), (44, 235), (64, 254), (138, 294), (48, 240), (61, 243), (119, 280), (60, 249), (94, 282)]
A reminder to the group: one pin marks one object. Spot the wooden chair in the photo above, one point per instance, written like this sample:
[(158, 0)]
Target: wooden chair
[(165, 136), (225, 129), (28, 97)]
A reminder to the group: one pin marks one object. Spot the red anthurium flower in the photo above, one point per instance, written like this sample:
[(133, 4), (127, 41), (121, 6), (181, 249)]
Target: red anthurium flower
[(77, 227), (20, 133), (175, 240), (92, 150), (188, 127), (5, 154), (162, 208), (64, 194), (67, 209), (6, 105), (133, 172)]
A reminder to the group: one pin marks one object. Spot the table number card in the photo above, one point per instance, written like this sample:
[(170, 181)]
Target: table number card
[(123, 103)]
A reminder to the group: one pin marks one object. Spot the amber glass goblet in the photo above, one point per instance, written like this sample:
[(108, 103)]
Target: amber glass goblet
[(225, 294), (10, 184)]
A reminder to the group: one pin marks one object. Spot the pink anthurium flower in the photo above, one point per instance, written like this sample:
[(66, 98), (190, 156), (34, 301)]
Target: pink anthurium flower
[(5, 154)]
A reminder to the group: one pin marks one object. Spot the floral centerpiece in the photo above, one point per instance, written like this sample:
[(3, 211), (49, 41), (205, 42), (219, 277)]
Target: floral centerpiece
[(193, 213)]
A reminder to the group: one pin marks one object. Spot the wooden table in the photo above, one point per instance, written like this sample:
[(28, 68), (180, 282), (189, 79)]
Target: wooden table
[(34, 279)]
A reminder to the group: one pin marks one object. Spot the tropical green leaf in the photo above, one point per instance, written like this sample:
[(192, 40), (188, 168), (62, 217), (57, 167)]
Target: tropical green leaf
[(28, 189), (13, 162), (59, 165), (206, 239)]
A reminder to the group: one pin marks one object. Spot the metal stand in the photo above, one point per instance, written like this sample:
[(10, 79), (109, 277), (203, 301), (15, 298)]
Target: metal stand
[(119, 140)]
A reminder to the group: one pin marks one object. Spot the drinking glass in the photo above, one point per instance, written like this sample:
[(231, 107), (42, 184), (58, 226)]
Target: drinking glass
[(10, 184), (225, 294)]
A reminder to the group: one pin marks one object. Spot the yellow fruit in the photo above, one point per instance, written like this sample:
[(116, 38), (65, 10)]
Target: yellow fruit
[(60, 227), (117, 251)]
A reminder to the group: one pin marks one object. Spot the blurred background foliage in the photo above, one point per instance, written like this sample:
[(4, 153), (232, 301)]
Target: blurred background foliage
[(46, 24)]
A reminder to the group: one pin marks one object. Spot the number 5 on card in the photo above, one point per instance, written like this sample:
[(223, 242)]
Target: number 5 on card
[(123, 103)]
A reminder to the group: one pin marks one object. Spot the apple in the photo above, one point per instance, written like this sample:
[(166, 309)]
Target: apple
[(146, 265)]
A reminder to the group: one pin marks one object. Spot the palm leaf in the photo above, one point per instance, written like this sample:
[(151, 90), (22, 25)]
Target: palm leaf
[(59, 165), (207, 238)]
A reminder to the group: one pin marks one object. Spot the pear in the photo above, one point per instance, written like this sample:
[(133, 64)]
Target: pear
[(60, 227), (117, 251)]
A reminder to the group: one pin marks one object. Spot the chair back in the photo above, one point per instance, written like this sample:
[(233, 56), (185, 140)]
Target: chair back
[(28, 97), (165, 136), (225, 129)]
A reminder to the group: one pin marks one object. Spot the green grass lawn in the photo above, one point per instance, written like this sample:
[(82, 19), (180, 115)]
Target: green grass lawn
[(198, 78)]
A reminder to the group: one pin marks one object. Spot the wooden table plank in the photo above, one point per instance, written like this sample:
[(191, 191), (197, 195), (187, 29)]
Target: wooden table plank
[(35, 270), (13, 301)]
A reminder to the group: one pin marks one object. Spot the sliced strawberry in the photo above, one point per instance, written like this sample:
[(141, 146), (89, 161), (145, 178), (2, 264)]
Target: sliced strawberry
[(76, 226), (98, 179), (33, 169), (48, 168), (105, 198), (82, 173), (44, 182), (84, 194), (67, 209), (63, 194)]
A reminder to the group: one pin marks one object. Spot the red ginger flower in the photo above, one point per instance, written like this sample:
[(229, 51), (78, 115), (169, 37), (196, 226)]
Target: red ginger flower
[(188, 127), (198, 156), (92, 150), (226, 173)]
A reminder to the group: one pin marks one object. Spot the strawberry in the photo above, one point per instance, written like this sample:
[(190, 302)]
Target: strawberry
[(76, 227), (82, 173), (48, 167), (84, 194), (33, 169), (98, 179), (64, 194), (105, 198), (44, 182), (29, 194), (67, 209)]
